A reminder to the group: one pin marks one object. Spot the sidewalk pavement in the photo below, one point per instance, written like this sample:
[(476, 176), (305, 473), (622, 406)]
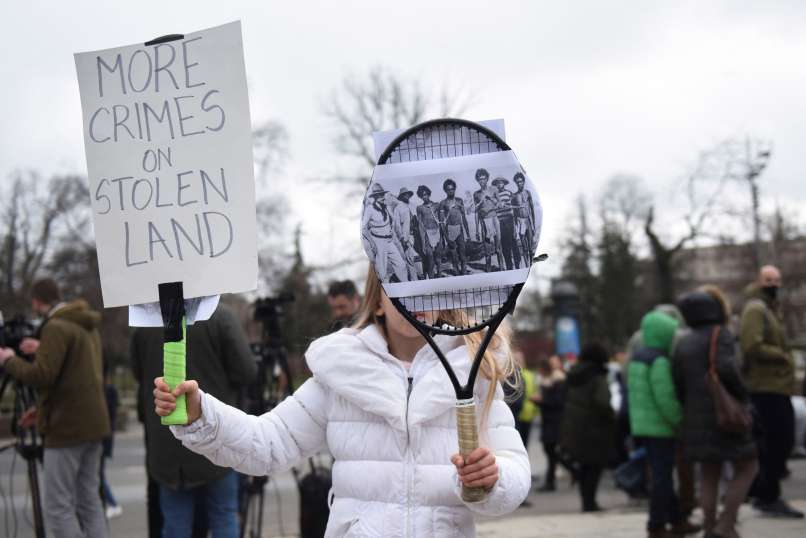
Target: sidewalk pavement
[(614, 524)]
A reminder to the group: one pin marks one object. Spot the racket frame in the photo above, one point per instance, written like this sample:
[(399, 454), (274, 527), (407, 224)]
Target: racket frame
[(467, 428)]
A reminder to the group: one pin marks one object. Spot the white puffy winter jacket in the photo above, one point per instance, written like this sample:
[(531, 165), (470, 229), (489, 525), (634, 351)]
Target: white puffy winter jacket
[(391, 432)]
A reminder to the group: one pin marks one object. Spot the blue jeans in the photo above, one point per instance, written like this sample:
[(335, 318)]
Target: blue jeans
[(222, 508), (663, 504), (108, 497)]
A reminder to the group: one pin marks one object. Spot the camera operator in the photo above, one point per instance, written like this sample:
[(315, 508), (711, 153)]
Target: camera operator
[(344, 300), (219, 357), (71, 412)]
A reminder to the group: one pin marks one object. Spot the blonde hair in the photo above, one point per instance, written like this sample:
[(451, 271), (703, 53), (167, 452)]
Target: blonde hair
[(498, 364), (720, 297)]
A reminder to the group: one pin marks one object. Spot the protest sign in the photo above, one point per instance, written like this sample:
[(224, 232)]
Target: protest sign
[(168, 141)]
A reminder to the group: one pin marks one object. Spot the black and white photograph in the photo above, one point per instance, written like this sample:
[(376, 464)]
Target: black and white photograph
[(453, 223)]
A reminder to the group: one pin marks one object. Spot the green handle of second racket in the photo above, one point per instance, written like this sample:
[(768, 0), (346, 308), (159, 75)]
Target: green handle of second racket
[(173, 367), (468, 442)]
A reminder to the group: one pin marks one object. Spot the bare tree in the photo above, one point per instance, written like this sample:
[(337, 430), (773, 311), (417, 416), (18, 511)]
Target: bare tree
[(271, 151), (578, 267), (623, 203), (270, 144), (752, 157), (37, 214), (703, 187), (381, 101)]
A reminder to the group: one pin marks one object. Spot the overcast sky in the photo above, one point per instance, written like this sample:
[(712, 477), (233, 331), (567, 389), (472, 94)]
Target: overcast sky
[(587, 89)]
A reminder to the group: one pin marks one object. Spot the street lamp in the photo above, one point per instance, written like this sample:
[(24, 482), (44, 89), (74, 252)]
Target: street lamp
[(755, 166)]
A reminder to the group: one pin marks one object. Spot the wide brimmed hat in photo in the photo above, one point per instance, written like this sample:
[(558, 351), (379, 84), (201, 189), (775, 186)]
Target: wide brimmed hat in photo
[(501, 180), (377, 190), (404, 192)]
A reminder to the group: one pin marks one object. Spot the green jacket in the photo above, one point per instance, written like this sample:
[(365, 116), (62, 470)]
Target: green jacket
[(654, 408), (67, 369), (768, 362), (219, 358)]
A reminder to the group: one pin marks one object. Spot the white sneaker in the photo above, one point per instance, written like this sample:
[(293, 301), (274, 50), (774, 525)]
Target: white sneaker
[(113, 511)]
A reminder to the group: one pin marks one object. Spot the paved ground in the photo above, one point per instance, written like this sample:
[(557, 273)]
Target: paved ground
[(551, 515), (619, 524)]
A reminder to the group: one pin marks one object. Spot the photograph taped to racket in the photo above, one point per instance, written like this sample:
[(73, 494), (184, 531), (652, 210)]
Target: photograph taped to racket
[(441, 279), (450, 210)]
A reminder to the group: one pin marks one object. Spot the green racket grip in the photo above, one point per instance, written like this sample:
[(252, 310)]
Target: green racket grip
[(468, 442), (173, 368)]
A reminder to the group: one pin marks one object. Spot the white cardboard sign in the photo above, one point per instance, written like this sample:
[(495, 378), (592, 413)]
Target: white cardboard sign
[(168, 141)]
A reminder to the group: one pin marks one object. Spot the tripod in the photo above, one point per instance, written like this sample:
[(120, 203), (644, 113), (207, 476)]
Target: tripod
[(28, 445), (263, 396)]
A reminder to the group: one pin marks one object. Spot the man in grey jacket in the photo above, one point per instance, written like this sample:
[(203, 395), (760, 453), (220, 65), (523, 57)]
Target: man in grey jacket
[(218, 356)]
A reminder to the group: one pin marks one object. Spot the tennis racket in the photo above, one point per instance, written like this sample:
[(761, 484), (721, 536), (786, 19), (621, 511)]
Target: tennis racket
[(480, 308), (172, 304)]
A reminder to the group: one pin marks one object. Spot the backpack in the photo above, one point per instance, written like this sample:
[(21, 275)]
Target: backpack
[(314, 503)]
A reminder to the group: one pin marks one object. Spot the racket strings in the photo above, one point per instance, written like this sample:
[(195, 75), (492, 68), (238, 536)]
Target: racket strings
[(458, 311), (442, 141)]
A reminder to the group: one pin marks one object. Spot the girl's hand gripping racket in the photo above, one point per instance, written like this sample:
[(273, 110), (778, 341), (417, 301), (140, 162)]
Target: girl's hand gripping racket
[(477, 161)]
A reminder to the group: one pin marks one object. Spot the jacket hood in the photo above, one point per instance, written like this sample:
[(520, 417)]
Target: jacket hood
[(584, 371), (79, 312), (670, 310), (753, 291), (699, 309), (357, 365), (657, 331)]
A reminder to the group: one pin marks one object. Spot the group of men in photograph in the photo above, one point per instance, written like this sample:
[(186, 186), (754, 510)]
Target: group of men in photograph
[(400, 233)]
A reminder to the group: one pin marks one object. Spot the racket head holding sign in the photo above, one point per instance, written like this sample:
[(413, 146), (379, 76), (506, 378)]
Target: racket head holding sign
[(469, 296)]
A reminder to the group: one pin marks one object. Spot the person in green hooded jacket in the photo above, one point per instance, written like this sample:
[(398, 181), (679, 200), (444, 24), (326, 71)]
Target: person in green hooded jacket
[(655, 414)]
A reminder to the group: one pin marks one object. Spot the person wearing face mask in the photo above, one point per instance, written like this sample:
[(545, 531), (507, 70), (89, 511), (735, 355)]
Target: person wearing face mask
[(770, 374)]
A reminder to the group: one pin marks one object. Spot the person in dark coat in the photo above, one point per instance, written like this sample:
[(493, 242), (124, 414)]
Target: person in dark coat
[(589, 423), (551, 400), (113, 509), (703, 442), (218, 355)]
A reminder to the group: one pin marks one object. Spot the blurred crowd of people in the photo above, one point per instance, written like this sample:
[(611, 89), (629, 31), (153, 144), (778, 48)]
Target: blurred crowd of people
[(698, 393)]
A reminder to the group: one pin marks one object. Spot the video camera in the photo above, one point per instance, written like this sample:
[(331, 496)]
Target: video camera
[(268, 306), (269, 311), (13, 331)]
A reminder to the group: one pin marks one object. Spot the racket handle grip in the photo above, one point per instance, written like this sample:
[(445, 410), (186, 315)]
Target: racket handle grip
[(173, 368), (468, 442)]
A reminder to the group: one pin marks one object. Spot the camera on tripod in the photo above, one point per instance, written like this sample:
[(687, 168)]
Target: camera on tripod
[(273, 383), (270, 311), (273, 374), (13, 331), (28, 441)]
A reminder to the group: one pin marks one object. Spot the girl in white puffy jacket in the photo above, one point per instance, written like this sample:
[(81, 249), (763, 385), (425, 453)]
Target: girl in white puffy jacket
[(380, 402)]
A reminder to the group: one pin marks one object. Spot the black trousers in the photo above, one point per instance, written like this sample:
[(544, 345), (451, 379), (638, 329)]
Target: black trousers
[(777, 424), (589, 476), (663, 504), (550, 449), (524, 429)]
